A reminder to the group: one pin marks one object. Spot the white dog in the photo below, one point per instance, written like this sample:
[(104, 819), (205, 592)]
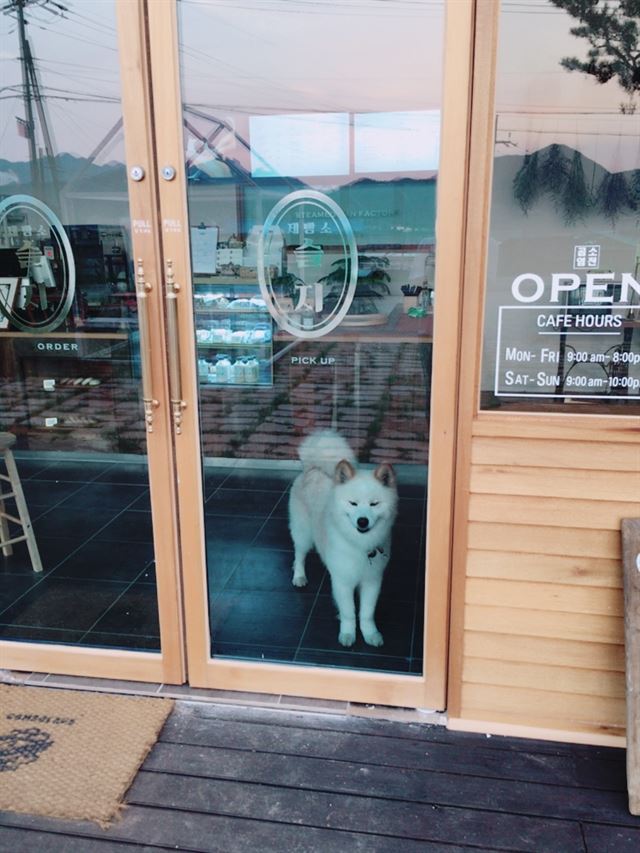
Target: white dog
[(347, 514)]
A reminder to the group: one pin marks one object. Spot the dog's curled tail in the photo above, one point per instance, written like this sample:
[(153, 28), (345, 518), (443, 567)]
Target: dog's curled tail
[(323, 449)]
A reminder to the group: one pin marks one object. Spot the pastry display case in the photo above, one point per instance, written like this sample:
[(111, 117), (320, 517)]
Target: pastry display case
[(234, 333)]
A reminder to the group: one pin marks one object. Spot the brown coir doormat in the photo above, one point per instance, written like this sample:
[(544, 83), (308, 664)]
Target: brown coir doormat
[(73, 754)]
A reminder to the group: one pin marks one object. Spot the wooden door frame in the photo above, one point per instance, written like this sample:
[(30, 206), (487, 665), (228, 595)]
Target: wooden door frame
[(168, 666), (428, 690), (474, 422)]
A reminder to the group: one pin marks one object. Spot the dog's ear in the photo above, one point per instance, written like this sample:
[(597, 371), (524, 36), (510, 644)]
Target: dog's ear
[(386, 475), (344, 471)]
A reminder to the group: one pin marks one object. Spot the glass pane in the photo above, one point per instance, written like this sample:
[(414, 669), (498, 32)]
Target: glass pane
[(312, 147), (562, 319), (70, 408)]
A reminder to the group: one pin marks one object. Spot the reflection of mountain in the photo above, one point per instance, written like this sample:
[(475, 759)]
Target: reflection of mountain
[(508, 164), (404, 181), (382, 212), (552, 206), (76, 172)]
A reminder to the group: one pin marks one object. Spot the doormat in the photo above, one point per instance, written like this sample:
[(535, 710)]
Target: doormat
[(73, 754)]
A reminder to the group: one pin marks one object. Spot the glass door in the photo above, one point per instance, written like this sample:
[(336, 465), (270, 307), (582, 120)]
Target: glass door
[(308, 174), (88, 567)]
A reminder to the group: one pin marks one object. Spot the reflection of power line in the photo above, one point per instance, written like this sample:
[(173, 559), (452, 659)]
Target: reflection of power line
[(73, 98), (70, 35), (561, 112), (592, 123), (74, 78), (48, 61), (567, 132), (58, 90), (32, 96), (383, 9)]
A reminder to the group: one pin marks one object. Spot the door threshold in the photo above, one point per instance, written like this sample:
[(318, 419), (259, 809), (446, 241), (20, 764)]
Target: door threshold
[(225, 697)]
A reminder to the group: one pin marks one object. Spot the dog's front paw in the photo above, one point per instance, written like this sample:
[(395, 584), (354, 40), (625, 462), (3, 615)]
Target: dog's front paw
[(299, 580), (373, 637), (347, 638)]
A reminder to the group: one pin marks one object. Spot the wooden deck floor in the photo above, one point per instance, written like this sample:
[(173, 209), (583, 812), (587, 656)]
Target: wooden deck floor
[(226, 778)]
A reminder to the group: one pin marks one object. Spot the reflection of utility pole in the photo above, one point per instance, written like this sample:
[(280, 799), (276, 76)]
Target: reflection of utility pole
[(26, 91), (31, 92)]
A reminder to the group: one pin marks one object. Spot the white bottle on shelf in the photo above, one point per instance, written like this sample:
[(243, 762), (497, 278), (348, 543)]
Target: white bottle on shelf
[(239, 372), (253, 371), (223, 370)]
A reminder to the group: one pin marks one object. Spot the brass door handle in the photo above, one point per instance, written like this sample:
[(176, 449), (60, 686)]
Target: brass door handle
[(143, 288), (173, 341)]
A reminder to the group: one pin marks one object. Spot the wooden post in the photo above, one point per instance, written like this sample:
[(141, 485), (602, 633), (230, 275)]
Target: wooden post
[(631, 567)]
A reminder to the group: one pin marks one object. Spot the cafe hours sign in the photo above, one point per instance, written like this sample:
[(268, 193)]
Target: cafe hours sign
[(38, 279), (297, 298), (570, 334)]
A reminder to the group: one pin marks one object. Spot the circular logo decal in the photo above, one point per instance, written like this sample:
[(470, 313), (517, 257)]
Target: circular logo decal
[(37, 290), (307, 289)]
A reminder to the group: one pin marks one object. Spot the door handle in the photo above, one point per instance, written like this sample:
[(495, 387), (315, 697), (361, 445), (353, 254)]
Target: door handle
[(173, 340), (143, 289)]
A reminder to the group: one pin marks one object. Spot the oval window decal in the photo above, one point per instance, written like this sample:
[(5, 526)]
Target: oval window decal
[(37, 296), (299, 285)]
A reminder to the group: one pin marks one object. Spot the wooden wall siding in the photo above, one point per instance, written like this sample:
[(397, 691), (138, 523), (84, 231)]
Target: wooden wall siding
[(543, 641)]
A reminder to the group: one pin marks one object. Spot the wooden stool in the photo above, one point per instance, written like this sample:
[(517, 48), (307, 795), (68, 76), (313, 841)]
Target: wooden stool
[(7, 440)]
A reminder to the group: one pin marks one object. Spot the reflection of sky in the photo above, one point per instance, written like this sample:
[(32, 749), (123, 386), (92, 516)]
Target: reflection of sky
[(315, 144), (397, 141), (539, 102), (285, 56), (252, 57), (77, 64), (298, 145), (298, 80)]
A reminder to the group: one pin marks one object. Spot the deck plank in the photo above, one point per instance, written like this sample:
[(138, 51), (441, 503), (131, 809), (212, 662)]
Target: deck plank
[(416, 786), (21, 840), (606, 839), (566, 769), (205, 833), (338, 722), (228, 779), (398, 819)]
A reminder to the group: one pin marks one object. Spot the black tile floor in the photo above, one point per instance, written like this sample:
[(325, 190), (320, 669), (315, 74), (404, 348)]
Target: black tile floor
[(257, 614), (92, 521)]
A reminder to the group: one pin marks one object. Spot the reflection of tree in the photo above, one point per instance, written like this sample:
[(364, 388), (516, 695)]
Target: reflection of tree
[(614, 195), (613, 31), (526, 184), (560, 174), (576, 199), (553, 174)]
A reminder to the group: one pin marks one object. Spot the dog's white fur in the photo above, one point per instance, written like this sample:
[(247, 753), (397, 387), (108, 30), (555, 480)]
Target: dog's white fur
[(347, 514)]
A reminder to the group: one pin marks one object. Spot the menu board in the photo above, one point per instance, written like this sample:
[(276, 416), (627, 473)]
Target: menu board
[(554, 350), (204, 249)]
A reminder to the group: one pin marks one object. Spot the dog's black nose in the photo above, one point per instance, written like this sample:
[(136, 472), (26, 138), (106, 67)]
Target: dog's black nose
[(363, 523)]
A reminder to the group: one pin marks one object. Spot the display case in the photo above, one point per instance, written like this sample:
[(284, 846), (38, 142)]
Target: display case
[(234, 333)]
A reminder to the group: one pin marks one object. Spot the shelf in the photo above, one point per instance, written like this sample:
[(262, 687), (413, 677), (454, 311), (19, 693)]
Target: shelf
[(222, 345), (399, 328), (232, 312), (204, 280), (235, 384), (71, 385), (66, 336), (68, 424)]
